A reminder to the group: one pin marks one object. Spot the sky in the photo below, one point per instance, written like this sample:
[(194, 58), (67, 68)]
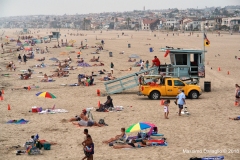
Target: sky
[(70, 7)]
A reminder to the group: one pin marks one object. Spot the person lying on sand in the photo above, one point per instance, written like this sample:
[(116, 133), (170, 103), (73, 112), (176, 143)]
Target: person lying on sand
[(122, 135), (25, 76), (132, 144), (40, 59), (129, 69), (88, 123), (26, 88), (235, 118), (100, 64), (80, 61), (107, 78), (130, 60)]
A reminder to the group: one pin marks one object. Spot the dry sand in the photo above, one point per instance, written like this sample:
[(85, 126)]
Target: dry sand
[(208, 126)]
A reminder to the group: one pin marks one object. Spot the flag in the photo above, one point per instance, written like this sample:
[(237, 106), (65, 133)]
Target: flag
[(206, 41)]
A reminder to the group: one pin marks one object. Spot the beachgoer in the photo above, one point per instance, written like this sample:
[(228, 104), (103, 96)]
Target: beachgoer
[(237, 95), (122, 135), (147, 64), (111, 66), (24, 58), (166, 108), (235, 118), (81, 116), (132, 144), (156, 63), (19, 59), (142, 66), (108, 103), (88, 148), (180, 100)]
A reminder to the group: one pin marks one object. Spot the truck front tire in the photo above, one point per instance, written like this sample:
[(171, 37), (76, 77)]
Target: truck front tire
[(193, 95), (154, 95)]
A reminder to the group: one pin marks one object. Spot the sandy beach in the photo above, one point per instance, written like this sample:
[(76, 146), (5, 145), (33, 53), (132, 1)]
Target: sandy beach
[(208, 128)]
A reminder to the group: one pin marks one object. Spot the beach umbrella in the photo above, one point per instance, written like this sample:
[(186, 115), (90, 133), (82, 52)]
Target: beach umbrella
[(46, 95), (54, 59), (138, 127), (134, 56)]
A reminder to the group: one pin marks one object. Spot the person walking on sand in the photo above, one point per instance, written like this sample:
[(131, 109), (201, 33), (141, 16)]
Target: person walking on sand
[(142, 66), (147, 64), (24, 58), (111, 66), (237, 95), (19, 59), (166, 109), (180, 100)]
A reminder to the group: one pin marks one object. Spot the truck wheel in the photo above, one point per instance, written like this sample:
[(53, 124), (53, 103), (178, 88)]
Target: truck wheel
[(155, 95), (193, 95)]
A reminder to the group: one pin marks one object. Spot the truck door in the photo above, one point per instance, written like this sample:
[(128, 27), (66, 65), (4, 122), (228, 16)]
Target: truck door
[(177, 85), (169, 88)]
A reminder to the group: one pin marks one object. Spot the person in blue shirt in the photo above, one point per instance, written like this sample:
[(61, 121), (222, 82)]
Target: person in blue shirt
[(180, 100)]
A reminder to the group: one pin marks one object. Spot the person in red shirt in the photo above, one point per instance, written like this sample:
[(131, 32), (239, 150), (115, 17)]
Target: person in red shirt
[(156, 62)]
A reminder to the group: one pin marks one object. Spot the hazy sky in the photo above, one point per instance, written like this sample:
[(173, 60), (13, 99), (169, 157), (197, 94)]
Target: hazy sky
[(60, 7)]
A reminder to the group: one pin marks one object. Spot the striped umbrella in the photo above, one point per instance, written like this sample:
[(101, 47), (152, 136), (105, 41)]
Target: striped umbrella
[(138, 127), (46, 95)]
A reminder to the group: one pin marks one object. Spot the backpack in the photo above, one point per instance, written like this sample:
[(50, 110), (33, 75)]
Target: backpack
[(101, 121)]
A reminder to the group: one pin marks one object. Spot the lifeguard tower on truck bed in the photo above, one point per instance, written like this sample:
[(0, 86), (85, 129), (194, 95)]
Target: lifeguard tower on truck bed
[(185, 64)]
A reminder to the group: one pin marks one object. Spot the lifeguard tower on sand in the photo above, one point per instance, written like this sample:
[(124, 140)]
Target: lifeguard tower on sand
[(25, 30), (185, 64), (55, 36)]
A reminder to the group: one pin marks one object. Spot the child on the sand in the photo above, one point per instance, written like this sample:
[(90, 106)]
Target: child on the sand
[(166, 109)]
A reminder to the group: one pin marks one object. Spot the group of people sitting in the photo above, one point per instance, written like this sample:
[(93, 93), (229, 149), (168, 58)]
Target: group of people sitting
[(59, 72), (95, 59), (130, 60), (47, 78), (132, 143)]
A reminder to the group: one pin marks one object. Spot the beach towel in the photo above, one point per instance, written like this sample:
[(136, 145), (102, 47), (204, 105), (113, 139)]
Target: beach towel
[(21, 121), (53, 111), (84, 64), (49, 81)]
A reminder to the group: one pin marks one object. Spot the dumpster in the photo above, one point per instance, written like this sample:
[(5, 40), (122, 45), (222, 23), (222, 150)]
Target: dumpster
[(129, 45), (110, 54)]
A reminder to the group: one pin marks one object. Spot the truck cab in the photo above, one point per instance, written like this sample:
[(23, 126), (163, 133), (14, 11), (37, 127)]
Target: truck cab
[(155, 86)]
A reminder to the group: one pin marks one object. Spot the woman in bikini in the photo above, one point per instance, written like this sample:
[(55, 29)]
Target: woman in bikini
[(132, 144)]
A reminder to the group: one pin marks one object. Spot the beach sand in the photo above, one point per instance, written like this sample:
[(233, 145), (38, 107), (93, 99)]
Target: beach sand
[(207, 129)]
